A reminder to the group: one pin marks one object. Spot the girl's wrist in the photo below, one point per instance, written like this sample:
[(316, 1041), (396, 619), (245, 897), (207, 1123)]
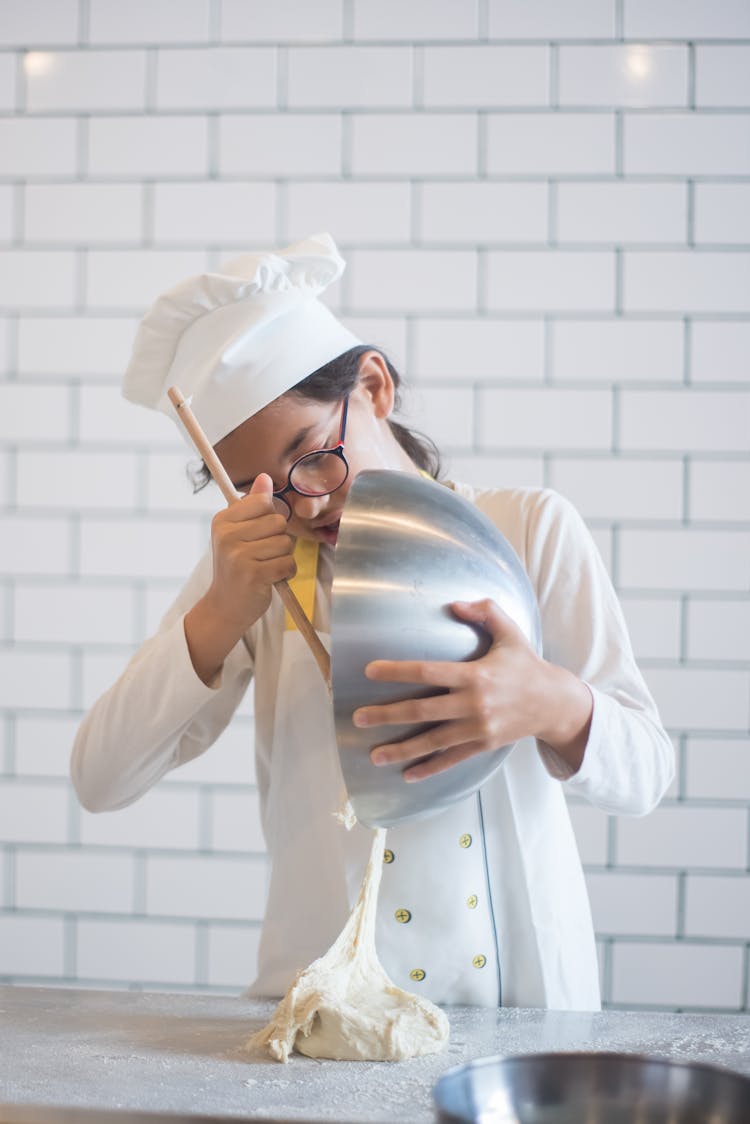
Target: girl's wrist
[(210, 638), (568, 708)]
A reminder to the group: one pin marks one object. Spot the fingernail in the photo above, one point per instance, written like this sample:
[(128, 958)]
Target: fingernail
[(359, 719), (378, 758)]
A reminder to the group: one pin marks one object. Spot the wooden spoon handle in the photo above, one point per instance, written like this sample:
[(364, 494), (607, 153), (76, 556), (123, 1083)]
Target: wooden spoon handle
[(231, 495)]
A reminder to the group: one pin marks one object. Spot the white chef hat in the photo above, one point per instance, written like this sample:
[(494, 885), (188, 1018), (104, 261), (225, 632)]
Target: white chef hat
[(235, 340)]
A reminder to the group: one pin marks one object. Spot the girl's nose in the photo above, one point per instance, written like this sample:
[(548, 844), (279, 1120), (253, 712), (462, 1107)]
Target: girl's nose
[(305, 507)]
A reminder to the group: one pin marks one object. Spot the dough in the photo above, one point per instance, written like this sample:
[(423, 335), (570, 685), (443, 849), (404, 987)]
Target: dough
[(344, 1006)]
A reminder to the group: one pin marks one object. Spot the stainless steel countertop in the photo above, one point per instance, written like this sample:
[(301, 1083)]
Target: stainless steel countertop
[(183, 1054)]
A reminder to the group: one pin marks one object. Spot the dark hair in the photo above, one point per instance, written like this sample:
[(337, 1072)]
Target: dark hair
[(335, 380)]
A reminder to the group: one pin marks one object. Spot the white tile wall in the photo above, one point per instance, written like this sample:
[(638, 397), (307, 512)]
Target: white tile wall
[(544, 209)]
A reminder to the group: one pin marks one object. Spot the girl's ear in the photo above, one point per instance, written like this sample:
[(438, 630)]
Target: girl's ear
[(376, 383)]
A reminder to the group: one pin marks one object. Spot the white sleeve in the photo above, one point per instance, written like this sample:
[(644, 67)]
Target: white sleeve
[(158, 715), (629, 759)]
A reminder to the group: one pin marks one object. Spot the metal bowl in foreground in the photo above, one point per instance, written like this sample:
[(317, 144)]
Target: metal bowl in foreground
[(407, 547), (589, 1088)]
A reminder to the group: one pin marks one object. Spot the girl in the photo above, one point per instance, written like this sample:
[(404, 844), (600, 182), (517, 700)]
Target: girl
[(484, 903)]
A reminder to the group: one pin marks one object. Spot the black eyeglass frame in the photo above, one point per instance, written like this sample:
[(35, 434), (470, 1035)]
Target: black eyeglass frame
[(336, 450)]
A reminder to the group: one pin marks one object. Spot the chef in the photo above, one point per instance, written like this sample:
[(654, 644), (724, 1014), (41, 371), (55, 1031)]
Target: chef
[(484, 903)]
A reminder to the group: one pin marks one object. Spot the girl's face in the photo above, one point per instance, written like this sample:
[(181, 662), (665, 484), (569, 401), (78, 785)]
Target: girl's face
[(273, 439)]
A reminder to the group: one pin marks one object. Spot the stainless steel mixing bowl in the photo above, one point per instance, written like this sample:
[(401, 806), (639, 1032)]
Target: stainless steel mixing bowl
[(589, 1088), (407, 547)]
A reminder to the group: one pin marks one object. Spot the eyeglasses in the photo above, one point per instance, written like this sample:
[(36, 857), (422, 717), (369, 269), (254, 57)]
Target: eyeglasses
[(318, 473)]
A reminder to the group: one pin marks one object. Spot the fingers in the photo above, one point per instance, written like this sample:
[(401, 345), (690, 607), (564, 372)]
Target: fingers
[(432, 673), (441, 762), (488, 614), (433, 708), (262, 485), (445, 736)]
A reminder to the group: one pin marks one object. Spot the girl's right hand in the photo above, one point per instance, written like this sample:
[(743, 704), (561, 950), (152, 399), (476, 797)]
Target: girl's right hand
[(251, 551)]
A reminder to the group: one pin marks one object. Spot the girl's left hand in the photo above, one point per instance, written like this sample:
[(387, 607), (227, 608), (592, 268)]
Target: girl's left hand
[(507, 694)]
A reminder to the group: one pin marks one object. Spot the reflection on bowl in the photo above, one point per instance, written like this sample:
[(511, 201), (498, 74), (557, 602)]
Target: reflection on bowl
[(589, 1088), (407, 547)]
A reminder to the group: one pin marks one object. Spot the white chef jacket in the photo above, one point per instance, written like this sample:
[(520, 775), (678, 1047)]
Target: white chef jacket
[(529, 928)]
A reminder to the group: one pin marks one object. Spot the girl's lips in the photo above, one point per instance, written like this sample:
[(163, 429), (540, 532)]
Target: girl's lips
[(329, 532)]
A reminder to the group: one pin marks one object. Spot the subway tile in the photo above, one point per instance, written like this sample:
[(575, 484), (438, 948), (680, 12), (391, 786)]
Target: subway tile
[(485, 76), (550, 144), (719, 489), (71, 214), (360, 213), (722, 75), (32, 679), (616, 488), (684, 559), (151, 146), (74, 881), (446, 414), (294, 20), (691, 144), (87, 81), (591, 829), (418, 280), (232, 955), (684, 838), (67, 613), (82, 346), (483, 212), (717, 906), (717, 768), (633, 904), (420, 19), (628, 74), (547, 19), (34, 544), (673, 19), (163, 818), (697, 281), (43, 743), (8, 81), (33, 812), (218, 887), (158, 596), (132, 279), (198, 213), (7, 213), (235, 822), (685, 419), (349, 77), (496, 472), (692, 698), (654, 626), (720, 351), (5, 335), (478, 348), (550, 280), (32, 946), (280, 144), (31, 413), (209, 77), (718, 630), (105, 416), (169, 487), (135, 950), (148, 21), (677, 975), (43, 147), (37, 278), (138, 547), (509, 418), (621, 212), (614, 351), (722, 213), (418, 144), (37, 23)]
